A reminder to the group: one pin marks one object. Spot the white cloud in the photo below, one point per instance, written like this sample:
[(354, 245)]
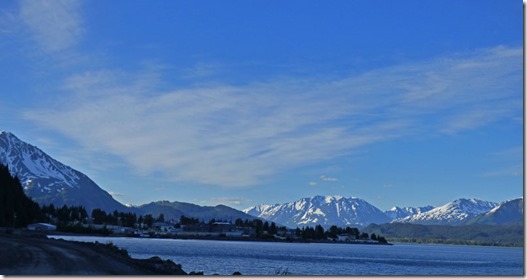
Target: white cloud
[(116, 194), (54, 24), (474, 118), (237, 136), (312, 183), (328, 179)]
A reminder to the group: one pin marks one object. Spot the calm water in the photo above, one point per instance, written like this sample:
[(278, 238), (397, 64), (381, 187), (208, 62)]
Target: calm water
[(266, 258)]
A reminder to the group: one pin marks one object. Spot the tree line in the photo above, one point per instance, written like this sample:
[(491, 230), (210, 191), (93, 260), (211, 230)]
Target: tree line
[(18, 210)]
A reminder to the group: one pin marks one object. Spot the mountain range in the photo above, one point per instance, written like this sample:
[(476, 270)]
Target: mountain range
[(336, 210), (48, 181), (452, 213)]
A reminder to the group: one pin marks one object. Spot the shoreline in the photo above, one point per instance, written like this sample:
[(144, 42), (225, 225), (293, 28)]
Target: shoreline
[(26, 253), (393, 242), (35, 253), (241, 239)]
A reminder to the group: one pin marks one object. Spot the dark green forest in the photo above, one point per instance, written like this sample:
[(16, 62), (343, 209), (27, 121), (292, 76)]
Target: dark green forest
[(487, 235), (16, 209)]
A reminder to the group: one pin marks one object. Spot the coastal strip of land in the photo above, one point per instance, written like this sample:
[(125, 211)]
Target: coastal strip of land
[(35, 254)]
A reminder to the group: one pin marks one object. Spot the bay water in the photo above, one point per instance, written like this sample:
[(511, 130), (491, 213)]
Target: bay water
[(272, 258)]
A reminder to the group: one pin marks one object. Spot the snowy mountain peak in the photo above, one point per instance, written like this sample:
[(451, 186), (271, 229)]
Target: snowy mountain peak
[(452, 213), (32, 166), (47, 180), (473, 205), (321, 210), (325, 199)]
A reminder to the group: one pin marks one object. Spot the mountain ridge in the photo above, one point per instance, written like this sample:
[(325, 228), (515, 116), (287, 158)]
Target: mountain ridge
[(509, 212), (314, 211), (173, 210), (48, 181), (452, 213), (402, 212), (321, 210)]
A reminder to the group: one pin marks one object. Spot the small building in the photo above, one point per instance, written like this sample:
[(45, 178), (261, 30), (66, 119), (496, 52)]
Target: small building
[(41, 227), (162, 226), (345, 237)]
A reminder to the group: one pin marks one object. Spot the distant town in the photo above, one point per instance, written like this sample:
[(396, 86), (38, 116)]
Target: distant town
[(76, 220)]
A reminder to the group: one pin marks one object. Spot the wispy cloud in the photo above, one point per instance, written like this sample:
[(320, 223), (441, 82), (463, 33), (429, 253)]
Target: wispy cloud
[(116, 194), (511, 171), (229, 201), (54, 24), (511, 160), (328, 179), (239, 135)]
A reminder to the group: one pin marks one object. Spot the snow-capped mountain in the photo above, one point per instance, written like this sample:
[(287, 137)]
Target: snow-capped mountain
[(452, 213), (47, 180), (402, 212), (506, 213), (321, 210)]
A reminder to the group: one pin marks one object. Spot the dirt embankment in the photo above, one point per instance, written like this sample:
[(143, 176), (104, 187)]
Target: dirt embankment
[(38, 255)]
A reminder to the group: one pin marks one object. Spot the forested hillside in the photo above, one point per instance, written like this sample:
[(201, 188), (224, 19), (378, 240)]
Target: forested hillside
[(493, 235)]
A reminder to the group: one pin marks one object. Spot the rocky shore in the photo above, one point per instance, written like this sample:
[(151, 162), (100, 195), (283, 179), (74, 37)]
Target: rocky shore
[(35, 254)]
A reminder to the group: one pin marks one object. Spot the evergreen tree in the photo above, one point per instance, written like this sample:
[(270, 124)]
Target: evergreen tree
[(319, 232), (333, 231), (272, 229), (98, 216), (16, 209), (148, 220), (239, 222)]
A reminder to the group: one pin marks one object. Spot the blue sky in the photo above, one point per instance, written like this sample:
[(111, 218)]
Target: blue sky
[(406, 103)]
